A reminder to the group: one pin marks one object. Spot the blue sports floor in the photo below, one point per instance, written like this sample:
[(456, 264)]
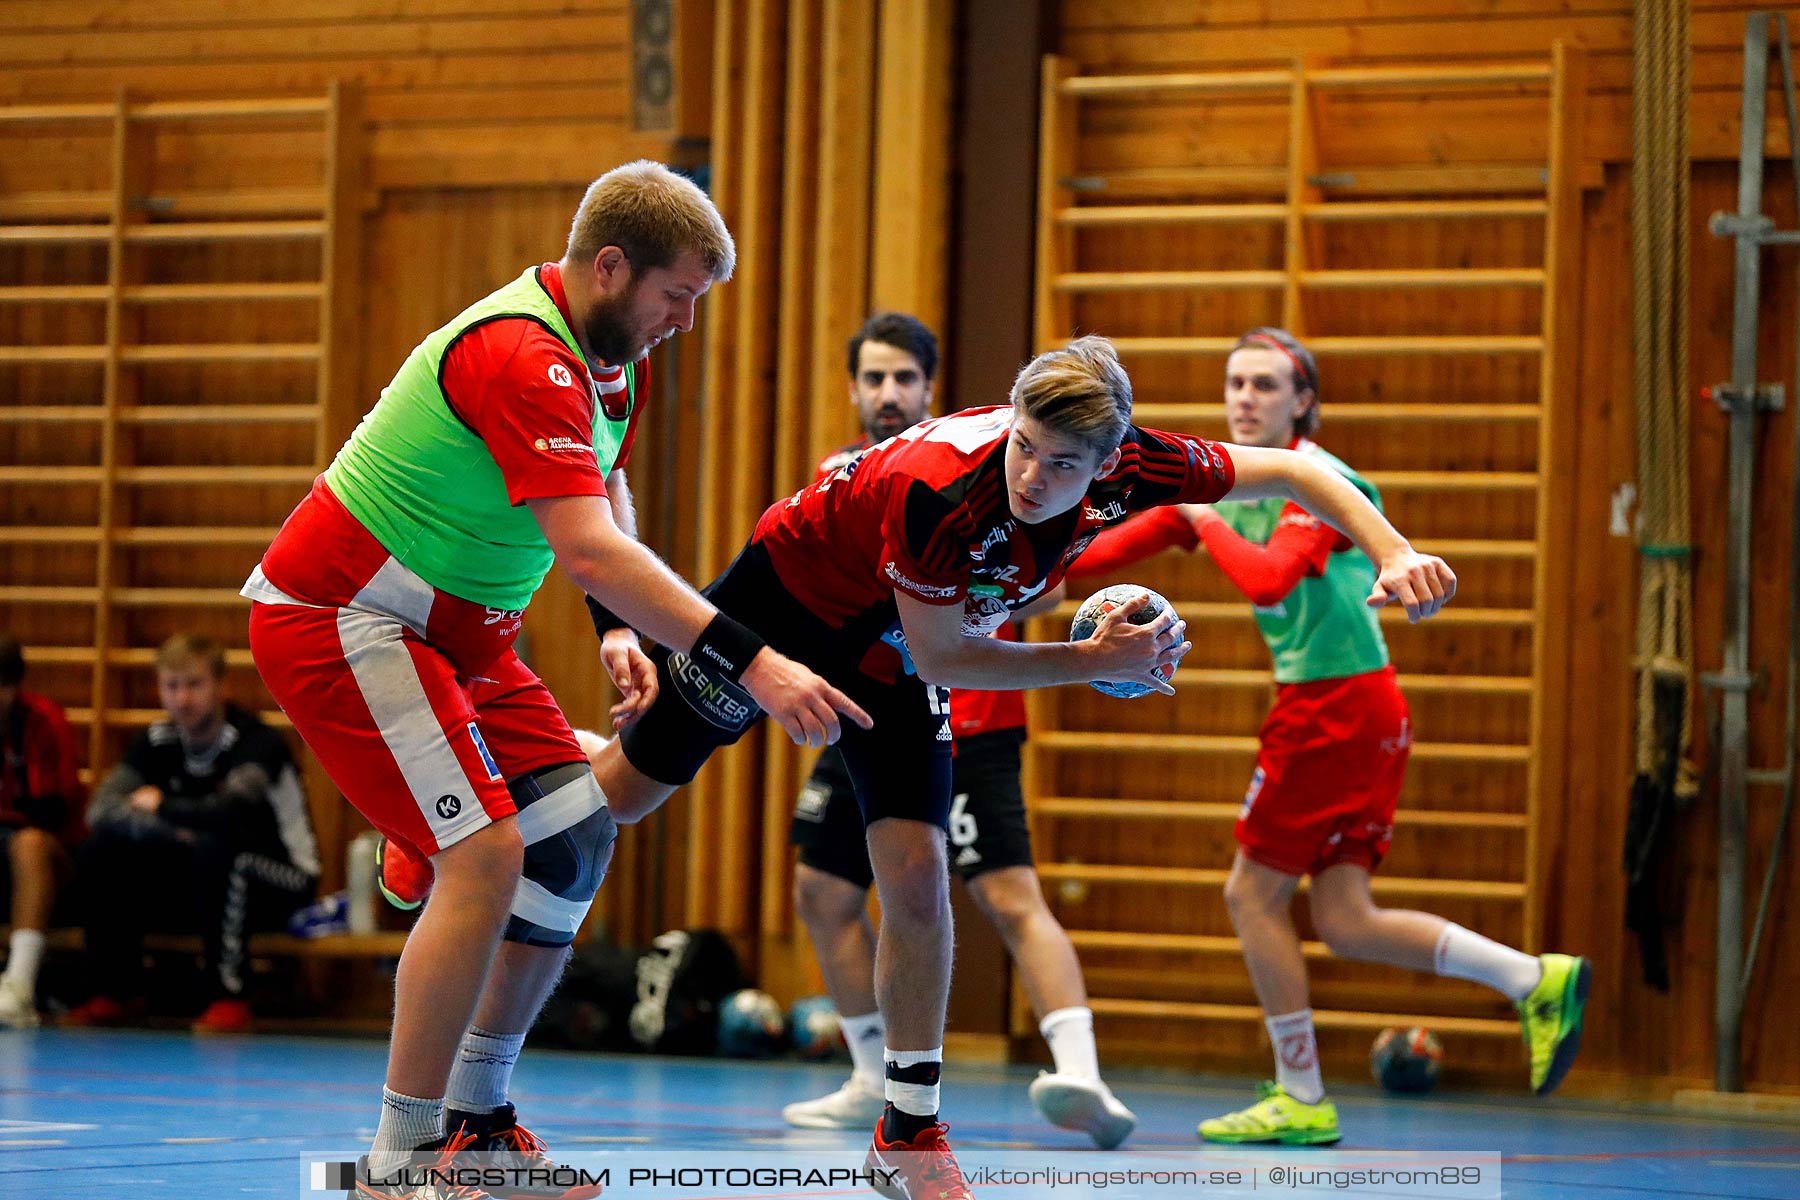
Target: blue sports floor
[(151, 1115)]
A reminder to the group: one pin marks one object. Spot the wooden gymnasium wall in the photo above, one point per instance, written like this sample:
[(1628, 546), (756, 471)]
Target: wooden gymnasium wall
[(480, 124), (1636, 1038), (830, 122)]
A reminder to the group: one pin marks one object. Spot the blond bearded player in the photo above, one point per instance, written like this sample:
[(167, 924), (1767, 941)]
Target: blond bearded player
[(383, 623)]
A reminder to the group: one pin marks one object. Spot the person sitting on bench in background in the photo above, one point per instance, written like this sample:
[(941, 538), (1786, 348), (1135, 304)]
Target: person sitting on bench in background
[(203, 827)]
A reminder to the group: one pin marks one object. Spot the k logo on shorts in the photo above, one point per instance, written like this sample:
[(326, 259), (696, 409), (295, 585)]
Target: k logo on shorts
[(448, 806)]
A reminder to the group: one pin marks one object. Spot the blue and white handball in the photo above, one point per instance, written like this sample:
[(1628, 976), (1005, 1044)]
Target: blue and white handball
[(814, 1028), (1096, 606), (1406, 1060), (751, 1025)]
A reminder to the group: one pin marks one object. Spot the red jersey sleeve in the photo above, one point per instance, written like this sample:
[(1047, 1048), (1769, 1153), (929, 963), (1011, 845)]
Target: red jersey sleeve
[(926, 549), (526, 395), (1133, 541), (1174, 468), (1299, 547)]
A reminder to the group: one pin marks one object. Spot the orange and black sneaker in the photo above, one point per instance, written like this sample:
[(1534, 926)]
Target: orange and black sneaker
[(404, 878), (922, 1169), (504, 1143), (430, 1175)]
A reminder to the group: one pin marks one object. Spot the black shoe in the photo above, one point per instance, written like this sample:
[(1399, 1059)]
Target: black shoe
[(505, 1143)]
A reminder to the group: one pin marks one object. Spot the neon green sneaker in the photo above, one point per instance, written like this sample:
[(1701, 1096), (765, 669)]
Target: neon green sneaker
[(1277, 1117), (1550, 1018)]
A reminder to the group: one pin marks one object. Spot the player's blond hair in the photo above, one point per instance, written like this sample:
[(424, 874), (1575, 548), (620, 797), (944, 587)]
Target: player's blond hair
[(653, 215), (1080, 391)]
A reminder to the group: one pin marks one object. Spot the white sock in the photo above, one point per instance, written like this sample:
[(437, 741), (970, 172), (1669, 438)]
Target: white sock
[(407, 1123), (1465, 955), (25, 953), (867, 1038), (483, 1068), (1296, 1056), (1070, 1032), (919, 1099)]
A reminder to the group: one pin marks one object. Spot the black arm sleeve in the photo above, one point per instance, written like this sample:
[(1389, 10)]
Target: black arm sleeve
[(605, 620)]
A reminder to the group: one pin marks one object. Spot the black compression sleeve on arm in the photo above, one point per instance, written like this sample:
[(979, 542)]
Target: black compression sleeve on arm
[(605, 620)]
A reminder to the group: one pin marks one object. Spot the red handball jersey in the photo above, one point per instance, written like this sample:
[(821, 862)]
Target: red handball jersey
[(502, 378), (972, 711), (926, 512)]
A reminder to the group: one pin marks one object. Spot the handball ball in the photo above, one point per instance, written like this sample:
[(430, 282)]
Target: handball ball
[(1406, 1060), (751, 1025), (814, 1029), (1096, 606)]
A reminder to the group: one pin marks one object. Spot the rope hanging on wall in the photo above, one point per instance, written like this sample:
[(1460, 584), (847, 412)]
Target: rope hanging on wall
[(1665, 778)]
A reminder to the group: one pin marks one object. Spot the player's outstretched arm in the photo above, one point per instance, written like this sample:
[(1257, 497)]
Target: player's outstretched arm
[(1119, 652), (627, 578), (1422, 583)]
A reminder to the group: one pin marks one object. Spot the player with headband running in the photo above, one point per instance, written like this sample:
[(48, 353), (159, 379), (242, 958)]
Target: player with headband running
[(1321, 801)]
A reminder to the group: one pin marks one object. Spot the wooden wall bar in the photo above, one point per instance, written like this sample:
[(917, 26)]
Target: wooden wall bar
[(830, 120), (477, 127)]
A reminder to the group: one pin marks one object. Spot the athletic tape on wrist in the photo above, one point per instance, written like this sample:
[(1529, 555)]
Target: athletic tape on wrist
[(726, 646)]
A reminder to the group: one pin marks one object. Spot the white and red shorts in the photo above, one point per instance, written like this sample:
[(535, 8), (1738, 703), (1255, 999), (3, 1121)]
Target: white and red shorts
[(1328, 775), (412, 699)]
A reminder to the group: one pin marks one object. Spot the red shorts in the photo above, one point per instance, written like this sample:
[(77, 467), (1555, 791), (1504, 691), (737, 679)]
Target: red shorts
[(411, 698), (1328, 775)]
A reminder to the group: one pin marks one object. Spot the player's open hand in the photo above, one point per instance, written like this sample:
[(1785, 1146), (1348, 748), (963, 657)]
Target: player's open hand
[(1128, 653), (1422, 583), (632, 673), (801, 702)]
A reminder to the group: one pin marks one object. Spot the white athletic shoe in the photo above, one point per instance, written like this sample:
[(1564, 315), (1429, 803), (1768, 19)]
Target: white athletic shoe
[(16, 1008), (853, 1106), (1076, 1102)]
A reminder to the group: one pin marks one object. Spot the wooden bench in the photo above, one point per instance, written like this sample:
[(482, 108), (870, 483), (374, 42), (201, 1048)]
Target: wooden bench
[(381, 944), (338, 989)]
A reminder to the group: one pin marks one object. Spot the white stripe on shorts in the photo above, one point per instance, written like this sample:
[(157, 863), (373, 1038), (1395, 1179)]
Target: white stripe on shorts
[(396, 589), (391, 687)]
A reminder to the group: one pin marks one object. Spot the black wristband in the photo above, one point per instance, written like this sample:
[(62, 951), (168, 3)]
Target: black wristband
[(605, 620), (726, 646)]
